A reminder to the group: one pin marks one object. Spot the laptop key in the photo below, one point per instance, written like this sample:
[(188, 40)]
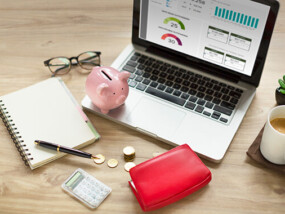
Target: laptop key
[(216, 101), (153, 77), (176, 86), (224, 120), (192, 92), (137, 54), (139, 79), (146, 75), (161, 80), (134, 58), (228, 105), (169, 90), (199, 109), (161, 87), (239, 90), (169, 83), (235, 94), (208, 98), (200, 94), (141, 87), (177, 93), (209, 105), (139, 72), (201, 102), (153, 84), (132, 63), (190, 105), (233, 101), (185, 96), (129, 69), (132, 83), (207, 113), (215, 116), (193, 99), (184, 89), (165, 96), (141, 67), (223, 110), (146, 81), (132, 76)]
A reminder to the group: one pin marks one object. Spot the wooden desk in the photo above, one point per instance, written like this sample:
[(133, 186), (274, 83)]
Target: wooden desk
[(33, 31)]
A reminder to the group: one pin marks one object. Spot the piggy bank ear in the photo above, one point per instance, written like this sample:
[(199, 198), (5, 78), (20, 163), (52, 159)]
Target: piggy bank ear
[(103, 89), (124, 75)]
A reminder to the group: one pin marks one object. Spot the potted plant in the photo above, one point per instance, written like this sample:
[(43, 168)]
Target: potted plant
[(280, 92)]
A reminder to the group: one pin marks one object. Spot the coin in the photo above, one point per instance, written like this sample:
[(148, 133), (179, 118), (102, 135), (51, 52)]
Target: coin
[(129, 150), (129, 165), (112, 163), (100, 160)]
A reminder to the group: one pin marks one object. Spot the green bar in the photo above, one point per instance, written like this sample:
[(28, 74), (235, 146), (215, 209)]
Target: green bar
[(234, 16), (241, 19), (245, 19), (220, 12), (248, 22), (256, 23), (252, 22), (224, 10), (216, 11), (238, 17), (227, 14), (231, 14)]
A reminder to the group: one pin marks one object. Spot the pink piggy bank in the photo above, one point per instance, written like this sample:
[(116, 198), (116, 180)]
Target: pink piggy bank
[(107, 87)]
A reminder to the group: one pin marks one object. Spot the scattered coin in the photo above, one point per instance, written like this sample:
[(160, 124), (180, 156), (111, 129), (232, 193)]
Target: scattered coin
[(112, 163), (156, 154), (129, 153), (100, 160), (129, 165)]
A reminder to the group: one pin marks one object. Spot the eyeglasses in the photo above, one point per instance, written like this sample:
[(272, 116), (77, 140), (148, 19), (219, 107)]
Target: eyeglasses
[(62, 65)]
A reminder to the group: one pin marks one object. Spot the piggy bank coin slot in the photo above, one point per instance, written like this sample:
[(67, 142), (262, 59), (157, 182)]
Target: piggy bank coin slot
[(106, 75)]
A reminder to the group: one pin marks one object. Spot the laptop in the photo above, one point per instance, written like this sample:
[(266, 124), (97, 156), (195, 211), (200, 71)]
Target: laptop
[(195, 67)]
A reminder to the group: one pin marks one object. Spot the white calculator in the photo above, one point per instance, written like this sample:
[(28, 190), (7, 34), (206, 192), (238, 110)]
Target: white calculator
[(86, 188)]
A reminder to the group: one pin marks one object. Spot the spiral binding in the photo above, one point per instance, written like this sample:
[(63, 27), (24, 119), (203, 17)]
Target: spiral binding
[(15, 135)]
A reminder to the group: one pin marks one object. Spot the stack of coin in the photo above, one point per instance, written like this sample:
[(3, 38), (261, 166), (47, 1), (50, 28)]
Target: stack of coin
[(129, 153)]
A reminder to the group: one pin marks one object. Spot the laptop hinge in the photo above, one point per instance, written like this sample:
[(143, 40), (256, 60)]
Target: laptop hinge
[(192, 63)]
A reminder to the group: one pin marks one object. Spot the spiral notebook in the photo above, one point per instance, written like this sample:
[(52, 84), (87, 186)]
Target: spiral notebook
[(45, 111)]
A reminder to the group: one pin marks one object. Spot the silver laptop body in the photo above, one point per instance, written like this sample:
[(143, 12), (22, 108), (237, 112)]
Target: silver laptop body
[(174, 124)]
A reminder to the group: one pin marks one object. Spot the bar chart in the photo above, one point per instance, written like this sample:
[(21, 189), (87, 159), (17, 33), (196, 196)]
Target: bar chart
[(236, 17)]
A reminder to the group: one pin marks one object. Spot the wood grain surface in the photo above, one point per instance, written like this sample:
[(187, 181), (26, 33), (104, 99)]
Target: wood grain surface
[(32, 31)]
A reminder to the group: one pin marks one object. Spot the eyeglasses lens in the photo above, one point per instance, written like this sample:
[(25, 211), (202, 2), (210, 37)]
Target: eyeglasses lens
[(88, 60), (59, 65)]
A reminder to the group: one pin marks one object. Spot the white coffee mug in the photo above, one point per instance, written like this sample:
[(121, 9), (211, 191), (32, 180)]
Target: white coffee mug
[(272, 145)]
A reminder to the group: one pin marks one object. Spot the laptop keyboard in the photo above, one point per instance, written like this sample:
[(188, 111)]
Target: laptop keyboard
[(194, 92)]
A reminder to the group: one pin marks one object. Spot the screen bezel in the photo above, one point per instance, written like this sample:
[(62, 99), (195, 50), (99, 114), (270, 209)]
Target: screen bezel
[(254, 79)]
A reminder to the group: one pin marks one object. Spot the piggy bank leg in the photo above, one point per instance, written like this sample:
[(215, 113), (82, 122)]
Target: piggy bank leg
[(104, 111)]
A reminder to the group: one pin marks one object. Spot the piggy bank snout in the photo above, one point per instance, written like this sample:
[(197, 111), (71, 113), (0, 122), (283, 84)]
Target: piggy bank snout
[(121, 99)]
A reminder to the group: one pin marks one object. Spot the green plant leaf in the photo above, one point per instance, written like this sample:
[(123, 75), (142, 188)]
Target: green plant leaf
[(282, 83), (282, 91), (284, 77)]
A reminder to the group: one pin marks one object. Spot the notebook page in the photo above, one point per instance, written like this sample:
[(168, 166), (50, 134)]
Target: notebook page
[(45, 112)]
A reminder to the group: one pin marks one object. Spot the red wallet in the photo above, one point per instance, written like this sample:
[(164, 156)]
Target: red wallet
[(168, 178)]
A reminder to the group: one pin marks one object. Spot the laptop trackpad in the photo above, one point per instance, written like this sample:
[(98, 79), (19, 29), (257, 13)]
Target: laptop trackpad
[(155, 117)]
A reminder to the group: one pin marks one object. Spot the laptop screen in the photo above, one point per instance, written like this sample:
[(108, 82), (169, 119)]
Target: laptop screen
[(227, 33)]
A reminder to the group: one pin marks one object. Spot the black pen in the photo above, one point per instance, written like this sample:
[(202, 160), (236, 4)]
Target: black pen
[(65, 149)]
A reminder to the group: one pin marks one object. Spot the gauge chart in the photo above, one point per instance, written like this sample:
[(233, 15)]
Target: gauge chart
[(174, 22), (171, 38)]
